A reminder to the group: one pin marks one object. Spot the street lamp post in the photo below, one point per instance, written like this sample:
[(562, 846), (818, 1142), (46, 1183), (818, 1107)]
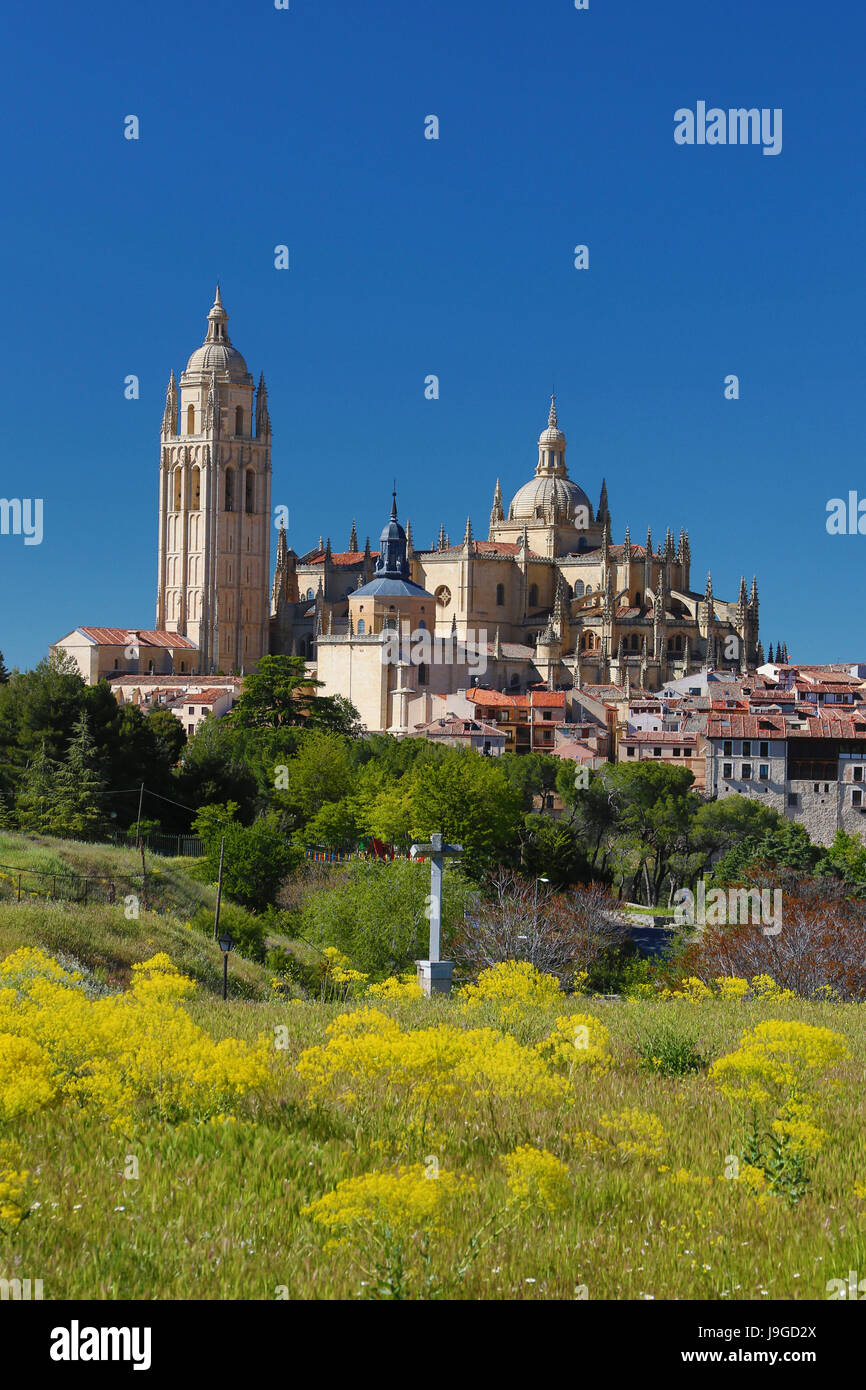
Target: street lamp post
[(434, 975), (226, 943)]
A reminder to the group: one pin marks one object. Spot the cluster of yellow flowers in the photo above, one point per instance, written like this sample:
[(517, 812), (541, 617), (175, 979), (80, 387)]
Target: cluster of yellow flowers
[(537, 1178), (397, 988), (512, 986), (778, 1059), (577, 1040), (406, 1200), (631, 1133), (13, 1187), (696, 991), (367, 1047), (779, 1063), (117, 1051)]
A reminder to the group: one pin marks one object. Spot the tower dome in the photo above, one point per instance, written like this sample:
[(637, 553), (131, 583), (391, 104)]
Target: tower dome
[(216, 353), (551, 494)]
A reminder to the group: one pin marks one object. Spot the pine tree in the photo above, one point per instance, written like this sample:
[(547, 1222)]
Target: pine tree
[(35, 802), (4, 674), (78, 807)]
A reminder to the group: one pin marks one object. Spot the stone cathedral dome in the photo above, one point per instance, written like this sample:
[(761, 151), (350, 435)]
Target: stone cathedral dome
[(551, 490), (216, 353)]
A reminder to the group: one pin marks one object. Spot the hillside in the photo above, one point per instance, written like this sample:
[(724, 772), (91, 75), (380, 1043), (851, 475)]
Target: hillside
[(99, 935)]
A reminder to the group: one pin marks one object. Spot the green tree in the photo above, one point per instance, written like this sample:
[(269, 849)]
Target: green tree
[(376, 913), (78, 807), (169, 734), (257, 857), (471, 801), (280, 693), (322, 770), (4, 674), (333, 825), (34, 804)]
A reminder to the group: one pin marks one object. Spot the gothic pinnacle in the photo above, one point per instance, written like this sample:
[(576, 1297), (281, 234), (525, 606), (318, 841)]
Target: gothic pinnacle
[(353, 539)]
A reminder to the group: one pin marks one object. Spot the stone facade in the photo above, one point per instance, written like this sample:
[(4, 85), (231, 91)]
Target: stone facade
[(214, 506)]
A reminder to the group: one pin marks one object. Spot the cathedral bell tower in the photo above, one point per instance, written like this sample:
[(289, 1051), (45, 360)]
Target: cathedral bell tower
[(215, 506)]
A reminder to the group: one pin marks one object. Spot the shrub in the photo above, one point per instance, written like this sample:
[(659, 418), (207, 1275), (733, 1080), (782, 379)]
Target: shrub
[(669, 1052)]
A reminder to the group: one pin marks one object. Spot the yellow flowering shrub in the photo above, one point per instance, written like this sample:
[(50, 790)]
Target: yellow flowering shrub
[(26, 1076), (731, 986), (537, 1178), (399, 988), (512, 986), (776, 1059), (338, 977), (14, 1181), (405, 1201), (367, 1047), (634, 1133), (577, 1040), (765, 987), (120, 1050)]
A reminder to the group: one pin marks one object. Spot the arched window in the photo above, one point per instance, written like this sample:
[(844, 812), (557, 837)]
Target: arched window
[(390, 624), (589, 588), (533, 595), (579, 589), (634, 641), (679, 643), (195, 490), (362, 627), (637, 600), (239, 420), (178, 485), (249, 490), (310, 593), (422, 626), (190, 419), (423, 674), (500, 595), (515, 679), (230, 489)]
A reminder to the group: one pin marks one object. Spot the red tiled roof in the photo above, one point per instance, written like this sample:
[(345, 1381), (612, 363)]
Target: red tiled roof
[(735, 725), (339, 557), (122, 636), (657, 736), (207, 697), (451, 725), (541, 699), (833, 726)]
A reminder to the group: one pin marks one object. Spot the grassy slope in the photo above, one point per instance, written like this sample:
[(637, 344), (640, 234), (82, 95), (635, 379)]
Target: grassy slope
[(101, 937)]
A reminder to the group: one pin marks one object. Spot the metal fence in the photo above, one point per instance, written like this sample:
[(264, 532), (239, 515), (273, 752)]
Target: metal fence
[(171, 846), (26, 884)]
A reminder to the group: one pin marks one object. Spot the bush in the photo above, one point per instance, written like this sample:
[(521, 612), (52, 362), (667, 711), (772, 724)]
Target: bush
[(248, 931), (669, 1052)]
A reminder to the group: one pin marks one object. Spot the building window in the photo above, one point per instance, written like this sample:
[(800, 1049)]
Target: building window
[(630, 751), (858, 774), (533, 595), (423, 674), (196, 489), (678, 643), (390, 624), (747, 748), (230, 490), (578, 589), (677, 752), (764, 772), (239, 420), (422, 626), (177, 488), (764, 750), (746, 773), (793, 799), (857, 797), (250, 490), (728, 748), (362, 627), (190, 419), (657, 752), (500, 595)]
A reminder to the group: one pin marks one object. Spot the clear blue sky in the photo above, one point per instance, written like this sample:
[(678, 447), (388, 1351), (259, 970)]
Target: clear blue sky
[(454, 257)]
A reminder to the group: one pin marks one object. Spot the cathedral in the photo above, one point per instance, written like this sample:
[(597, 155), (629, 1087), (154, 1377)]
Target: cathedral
[(546, 599)]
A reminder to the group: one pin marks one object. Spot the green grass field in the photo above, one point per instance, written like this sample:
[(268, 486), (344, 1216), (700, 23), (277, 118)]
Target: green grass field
[(193, 1206)]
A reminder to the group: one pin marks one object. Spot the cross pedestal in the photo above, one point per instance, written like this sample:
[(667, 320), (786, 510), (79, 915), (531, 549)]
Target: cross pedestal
[(434, 975)]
